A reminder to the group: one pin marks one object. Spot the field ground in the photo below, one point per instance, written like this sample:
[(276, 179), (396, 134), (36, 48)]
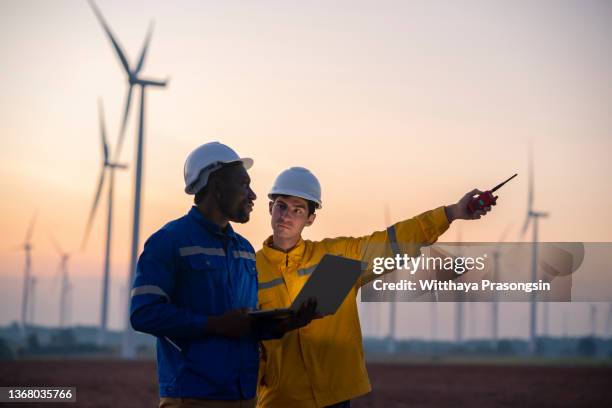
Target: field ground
[(102, 383)]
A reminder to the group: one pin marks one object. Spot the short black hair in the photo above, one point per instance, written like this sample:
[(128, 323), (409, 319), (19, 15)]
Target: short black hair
[(218, 174), (312, 206)]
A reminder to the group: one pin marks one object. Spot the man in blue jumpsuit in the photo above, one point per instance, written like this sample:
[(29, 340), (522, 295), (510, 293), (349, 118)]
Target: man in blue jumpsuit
[(194, 284)]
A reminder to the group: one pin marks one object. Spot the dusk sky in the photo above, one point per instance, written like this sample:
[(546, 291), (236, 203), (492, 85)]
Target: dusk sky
[(405, 104)]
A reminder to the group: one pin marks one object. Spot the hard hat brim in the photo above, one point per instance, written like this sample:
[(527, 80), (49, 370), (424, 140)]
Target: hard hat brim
[(295, 193), (247, 162)]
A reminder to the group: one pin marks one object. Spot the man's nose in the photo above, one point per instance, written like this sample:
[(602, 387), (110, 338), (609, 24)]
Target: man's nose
[(252, 195), (283, 214)]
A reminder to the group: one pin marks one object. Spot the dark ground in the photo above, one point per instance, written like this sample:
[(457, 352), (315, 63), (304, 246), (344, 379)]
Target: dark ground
[(133, 384)]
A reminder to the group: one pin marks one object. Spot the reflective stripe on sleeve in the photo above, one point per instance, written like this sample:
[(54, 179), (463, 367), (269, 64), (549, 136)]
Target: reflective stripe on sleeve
[(149, 290), (244, 254)]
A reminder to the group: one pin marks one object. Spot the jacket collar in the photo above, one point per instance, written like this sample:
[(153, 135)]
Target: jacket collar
[(210, 226), (277, 256)]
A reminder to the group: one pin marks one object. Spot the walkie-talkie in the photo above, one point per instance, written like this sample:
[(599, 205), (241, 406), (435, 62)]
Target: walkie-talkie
[(486, 198)]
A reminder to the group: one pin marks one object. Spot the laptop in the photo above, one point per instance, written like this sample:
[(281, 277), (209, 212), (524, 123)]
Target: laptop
[(329, 284)]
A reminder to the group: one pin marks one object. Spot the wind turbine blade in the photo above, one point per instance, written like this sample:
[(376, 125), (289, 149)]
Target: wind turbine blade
[(152, 82), (103, 132), (94, 206), (116, 45), (126, 112), (145, 48), (31, 227)]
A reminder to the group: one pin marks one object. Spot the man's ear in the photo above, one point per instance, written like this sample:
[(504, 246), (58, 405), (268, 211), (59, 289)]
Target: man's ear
[(311, 219), (270, 205), (213, 188)]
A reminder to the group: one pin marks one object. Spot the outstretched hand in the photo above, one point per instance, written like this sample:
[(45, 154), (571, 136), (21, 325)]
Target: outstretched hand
[(460, 211)]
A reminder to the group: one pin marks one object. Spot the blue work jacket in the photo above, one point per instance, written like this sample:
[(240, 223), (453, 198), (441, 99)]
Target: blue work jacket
[(191, 269)]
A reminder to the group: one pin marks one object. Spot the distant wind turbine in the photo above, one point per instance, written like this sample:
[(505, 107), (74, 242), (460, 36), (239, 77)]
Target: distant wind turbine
[(65, 285), (133, 79), (433, 330), (107, 165), (27, 278), (495, 302), (545, 319), (532, 218), (472, 319), (593, 320), (32, 299)]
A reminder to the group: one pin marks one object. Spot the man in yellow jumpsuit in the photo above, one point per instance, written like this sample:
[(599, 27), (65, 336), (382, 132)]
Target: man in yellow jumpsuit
[(323, 364)]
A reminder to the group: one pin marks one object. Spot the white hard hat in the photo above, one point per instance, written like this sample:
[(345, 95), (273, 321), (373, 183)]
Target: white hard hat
[(298, 182), (204, 160)]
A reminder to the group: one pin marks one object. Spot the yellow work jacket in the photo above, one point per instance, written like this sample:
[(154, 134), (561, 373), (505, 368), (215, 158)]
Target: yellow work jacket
[(323, 363)]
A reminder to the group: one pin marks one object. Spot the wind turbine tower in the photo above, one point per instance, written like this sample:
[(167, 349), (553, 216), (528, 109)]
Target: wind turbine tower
[(32, 299), (532, 218), (65, 285), (107, 166), (27, 272), (593, 320)]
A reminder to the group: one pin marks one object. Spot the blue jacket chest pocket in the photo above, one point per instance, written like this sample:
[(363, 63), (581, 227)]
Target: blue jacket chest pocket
[(206, 282)]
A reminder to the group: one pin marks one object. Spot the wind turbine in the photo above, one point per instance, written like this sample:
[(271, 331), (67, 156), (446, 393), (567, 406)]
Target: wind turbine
[(532, 217), (27, 278), (495, 302), (609, 322), (133, 79), (32, 299), (545, 319), (593, 320), (433, 331), (106, 166), (472, 320), (65, 287)]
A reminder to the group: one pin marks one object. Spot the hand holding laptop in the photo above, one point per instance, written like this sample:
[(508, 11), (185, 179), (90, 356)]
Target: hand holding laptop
[(305, 314)]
